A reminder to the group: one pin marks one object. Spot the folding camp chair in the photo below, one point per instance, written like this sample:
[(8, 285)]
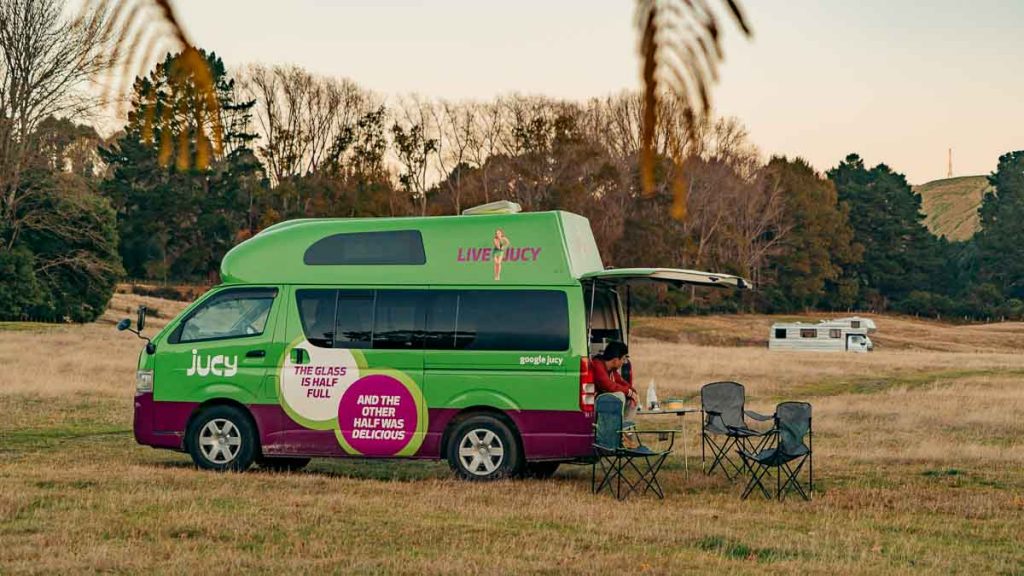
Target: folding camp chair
[(787, 453), (725, 429), (624, 470)]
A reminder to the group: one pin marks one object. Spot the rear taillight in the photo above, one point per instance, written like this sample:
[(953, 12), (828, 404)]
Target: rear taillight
[(143, 381), (586, 386)]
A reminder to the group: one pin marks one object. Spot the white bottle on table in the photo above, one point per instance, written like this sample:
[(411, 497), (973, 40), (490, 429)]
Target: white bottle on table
[(652, 396)]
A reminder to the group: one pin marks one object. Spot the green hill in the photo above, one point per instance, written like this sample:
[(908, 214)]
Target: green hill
[(951, 205)]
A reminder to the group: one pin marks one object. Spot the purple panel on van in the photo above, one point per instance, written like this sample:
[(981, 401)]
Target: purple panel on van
[(546, 434), (162, 424)]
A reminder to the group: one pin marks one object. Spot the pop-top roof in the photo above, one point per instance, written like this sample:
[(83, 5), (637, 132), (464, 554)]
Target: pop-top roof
[(537, 248), (526, 249)]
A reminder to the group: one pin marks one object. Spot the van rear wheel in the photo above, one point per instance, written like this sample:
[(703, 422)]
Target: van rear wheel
[(222, 438), (483, 448)]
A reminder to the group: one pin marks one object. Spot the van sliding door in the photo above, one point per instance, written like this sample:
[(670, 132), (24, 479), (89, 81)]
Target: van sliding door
[(508, 349)]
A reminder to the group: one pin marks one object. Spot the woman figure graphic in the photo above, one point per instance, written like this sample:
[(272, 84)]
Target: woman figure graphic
[(501, 243)]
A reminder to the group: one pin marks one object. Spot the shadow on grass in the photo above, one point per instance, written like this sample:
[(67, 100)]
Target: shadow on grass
[(385, 470), (381, 470)]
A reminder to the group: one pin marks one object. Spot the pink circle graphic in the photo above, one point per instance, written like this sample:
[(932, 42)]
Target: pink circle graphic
[(377, 415)]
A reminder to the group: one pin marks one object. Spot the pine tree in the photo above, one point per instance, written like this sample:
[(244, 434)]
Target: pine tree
[(900, 254), (184, 177), (1000, 242)]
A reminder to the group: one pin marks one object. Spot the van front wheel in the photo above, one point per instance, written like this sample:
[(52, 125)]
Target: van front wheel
[(222, 438), (483, 448)]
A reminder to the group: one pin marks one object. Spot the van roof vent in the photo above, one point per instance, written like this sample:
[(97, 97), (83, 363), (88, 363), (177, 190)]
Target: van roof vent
[(499, 207)]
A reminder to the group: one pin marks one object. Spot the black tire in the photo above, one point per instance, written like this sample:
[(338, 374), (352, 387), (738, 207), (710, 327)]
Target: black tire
[(496, 450), (217, 451), (282, 464), (540, 470)]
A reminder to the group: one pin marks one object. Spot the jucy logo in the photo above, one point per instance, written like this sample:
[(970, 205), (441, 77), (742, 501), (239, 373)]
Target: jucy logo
[(218, 365), (500, 252)]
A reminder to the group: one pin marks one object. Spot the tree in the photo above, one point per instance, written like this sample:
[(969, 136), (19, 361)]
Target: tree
[(57, 238), (818, 245), (1000, 241), (456, 128), (208, 202), (45, 59), (900, 254), (414, 147)]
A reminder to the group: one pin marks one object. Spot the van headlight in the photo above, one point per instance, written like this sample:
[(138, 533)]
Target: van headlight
[(143, 381)]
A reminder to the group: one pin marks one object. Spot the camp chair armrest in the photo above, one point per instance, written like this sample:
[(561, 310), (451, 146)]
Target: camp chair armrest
[(746, 431), (758, 416)]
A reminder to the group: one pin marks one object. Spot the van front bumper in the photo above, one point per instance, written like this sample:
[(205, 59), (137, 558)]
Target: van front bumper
[(143, 426)]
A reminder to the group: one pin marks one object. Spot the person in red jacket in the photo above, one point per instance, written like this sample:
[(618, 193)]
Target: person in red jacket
[(607, 377)]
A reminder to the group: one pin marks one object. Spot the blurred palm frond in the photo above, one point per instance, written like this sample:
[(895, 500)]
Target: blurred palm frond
[(680, 50), (138, 29)]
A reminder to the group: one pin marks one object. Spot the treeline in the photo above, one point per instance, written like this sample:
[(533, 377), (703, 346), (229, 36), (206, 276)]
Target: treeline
[(189, 176)]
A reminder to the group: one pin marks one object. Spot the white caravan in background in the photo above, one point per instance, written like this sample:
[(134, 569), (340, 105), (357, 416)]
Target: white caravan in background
[(842, 335)]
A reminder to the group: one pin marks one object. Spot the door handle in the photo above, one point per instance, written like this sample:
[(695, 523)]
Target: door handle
[(299, 356), (256, 354)]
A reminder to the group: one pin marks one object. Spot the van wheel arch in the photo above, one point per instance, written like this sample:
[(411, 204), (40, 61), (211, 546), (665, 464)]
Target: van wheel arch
[(234, 404), (479, 411)]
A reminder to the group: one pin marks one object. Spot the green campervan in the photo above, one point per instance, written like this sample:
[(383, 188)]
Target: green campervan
[(465, 338)]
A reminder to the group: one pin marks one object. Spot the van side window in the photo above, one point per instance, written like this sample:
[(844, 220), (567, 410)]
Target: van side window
[(835, 333), (398, 320), (512, 320), (367, 248), (230, 314), (435, 320), (808, 333), (780, 333), (442, 309), (354, 319), (317, 309)]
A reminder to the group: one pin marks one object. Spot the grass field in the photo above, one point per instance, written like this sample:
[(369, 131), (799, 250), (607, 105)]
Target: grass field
[(920, 467), (951, 205)]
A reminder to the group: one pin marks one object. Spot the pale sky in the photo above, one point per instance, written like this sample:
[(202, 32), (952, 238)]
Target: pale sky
[(898, 81)]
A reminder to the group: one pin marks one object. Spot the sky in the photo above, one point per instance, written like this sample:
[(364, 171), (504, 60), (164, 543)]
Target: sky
[(897, 81)]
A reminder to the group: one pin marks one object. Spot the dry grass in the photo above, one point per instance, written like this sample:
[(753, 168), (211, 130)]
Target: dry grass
[(919, 456)]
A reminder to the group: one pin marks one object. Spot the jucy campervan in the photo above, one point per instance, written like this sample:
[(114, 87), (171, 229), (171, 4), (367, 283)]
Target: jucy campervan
[(465, 338)]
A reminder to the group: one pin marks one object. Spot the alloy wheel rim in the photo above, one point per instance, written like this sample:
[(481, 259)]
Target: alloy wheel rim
[(220, 441), (481, 452)]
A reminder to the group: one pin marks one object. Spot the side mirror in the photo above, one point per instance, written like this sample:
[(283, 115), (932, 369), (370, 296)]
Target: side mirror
[(126, 324)]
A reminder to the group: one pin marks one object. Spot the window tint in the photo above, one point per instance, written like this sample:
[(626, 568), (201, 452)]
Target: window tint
[(808, 333), (317, 309), (354, 319), (440, 328), (436, 320), (780, 333), (512, 320), (398, 322), (397, 247), (855, 324), (233, 314), (835, 333)]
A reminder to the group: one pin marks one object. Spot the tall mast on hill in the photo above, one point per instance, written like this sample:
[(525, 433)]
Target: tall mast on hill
[(949, 172)]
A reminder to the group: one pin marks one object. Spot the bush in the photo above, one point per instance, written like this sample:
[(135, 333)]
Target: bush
[(20, 291)]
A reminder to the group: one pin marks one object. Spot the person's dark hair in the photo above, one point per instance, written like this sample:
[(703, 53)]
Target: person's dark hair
[(614, 350)]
